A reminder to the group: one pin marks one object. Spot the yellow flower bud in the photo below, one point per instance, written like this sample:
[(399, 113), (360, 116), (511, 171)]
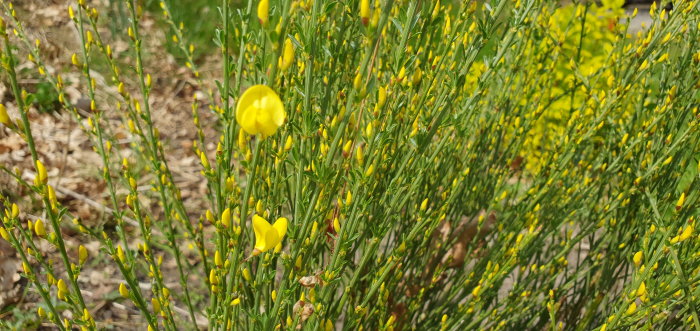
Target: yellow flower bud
[(156, 305), (288, 144), (680, 202), (264, 12), (436, 9), (642, 290), (123, 291), (212, 277), (4, 117), (336, 225), (204, 159), (424, 205), (82, 254), (476, 290), (42, 176), (15, 211), (417, 76), (370, 170), (120, 254), (217, 259), (288, 54), (402, 74), (381, 98), (357, 81), (39, 228), (246, 274), (364, 11), (637, 258), (687, 233), (226, 218), (4, 234)]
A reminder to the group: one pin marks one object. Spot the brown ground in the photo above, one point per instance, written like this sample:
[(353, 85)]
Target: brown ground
[(73, 166)]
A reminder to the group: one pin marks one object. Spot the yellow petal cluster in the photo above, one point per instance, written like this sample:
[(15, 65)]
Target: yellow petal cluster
[(268, 236), (260, 110)]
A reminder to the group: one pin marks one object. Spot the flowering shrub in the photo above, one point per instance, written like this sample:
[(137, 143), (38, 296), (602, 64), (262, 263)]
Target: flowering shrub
[(428, 165)]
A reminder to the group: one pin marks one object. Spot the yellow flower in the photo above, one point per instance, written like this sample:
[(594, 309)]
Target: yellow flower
[(260, 110), (268, 236)]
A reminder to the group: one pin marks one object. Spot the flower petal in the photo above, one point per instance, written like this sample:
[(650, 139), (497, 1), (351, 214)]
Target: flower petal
[(281, 227), (249, 121), (271, 240), (261, 228)]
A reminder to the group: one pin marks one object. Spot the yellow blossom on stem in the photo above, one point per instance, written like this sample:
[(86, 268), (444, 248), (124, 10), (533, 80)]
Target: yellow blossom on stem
[(260, 110), (268, 236)]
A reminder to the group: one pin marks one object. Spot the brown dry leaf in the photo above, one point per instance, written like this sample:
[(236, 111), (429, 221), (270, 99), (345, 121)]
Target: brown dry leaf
[(304, 309), (311, 281)]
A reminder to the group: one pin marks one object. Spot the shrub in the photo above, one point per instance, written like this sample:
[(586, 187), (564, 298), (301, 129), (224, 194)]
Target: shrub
[(389, 165)]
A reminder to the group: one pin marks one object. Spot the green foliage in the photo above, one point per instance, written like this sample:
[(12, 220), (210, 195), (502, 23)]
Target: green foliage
[(503, 165), (45, 98)]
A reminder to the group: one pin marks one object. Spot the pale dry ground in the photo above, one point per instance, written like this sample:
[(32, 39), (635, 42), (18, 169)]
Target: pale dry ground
[(74, 167)]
